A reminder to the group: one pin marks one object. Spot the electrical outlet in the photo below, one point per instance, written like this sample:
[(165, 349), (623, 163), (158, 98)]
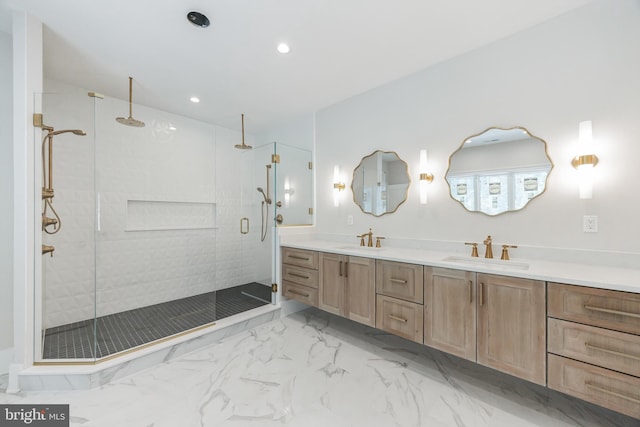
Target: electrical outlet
[(350, 220), (590, 224)]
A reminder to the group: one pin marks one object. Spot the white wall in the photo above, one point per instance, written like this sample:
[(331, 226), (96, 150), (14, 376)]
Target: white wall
[(580, 66), (6, 195), (27, 81)]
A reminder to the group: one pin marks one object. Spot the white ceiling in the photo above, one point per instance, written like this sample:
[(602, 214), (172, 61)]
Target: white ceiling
[(339, 48)]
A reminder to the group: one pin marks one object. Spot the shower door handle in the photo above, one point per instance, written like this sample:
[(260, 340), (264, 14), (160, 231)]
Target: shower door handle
[(244, 222)]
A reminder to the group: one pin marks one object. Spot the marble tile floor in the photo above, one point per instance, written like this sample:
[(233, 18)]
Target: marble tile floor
[(314, 369)]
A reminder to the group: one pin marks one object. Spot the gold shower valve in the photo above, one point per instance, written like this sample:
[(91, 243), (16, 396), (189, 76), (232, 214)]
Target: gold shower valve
[(47, 249)]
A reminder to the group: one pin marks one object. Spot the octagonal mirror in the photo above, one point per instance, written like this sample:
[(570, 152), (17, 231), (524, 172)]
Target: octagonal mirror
[(498, 170), (380, 183)]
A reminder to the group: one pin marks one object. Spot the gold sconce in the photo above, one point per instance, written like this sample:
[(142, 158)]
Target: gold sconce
[(585, 163), (425, 177), (338, 186)]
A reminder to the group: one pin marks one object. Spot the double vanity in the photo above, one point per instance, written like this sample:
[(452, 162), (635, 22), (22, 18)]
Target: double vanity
[(570, 327)]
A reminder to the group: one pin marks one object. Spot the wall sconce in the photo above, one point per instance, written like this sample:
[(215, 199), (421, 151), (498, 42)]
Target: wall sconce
[(288, 191), (425, 177), (585, 163), (338, 186)]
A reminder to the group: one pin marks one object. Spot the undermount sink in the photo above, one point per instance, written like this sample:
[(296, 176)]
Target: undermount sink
[(360, 248), (488, 262)]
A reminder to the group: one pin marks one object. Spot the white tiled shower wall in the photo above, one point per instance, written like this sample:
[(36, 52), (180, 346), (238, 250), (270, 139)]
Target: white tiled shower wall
[(115, 269)]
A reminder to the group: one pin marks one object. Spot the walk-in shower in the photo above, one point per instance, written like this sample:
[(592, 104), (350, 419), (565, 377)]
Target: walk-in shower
[(151, 247)]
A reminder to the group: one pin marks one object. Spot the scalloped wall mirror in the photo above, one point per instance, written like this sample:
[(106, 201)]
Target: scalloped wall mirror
[(498, 170), (380, 183)]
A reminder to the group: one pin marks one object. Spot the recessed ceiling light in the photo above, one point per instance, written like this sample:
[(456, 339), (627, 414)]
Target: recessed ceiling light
[(194, 99), (284, 48), (198, 19)]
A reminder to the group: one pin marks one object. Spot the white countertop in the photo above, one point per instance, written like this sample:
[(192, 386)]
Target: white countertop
[(619, 279)]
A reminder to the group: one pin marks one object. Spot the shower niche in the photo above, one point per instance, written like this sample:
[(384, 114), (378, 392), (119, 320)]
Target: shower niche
[(151, 246)]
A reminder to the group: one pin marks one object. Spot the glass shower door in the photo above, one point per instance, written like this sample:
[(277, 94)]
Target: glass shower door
[(257, 177), (64, 305)]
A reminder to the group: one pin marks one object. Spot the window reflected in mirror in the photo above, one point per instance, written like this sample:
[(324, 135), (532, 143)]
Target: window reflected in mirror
[(498, 170)]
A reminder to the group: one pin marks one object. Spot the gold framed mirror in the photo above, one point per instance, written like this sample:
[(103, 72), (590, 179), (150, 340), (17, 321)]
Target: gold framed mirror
[(498, 170), (380, 183)]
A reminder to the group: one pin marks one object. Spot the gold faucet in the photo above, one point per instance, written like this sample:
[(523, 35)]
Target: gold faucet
[(505, 251), (46, 249), (488, 253), (474, 248), (369, 240)]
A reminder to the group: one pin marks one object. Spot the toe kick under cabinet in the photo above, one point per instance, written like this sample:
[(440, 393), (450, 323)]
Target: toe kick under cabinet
[(594, 345)]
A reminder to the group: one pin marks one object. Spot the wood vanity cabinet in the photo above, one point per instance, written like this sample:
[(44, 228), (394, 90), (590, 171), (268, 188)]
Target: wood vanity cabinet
[(450, 311), (498, 321), (300, 275), (594, 345), (400, 293), (347, 287), (512, 326)]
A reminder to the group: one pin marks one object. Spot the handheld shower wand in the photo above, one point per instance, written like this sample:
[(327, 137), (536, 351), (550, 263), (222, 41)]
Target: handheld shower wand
[(267, 200), (264, 208), (47, 182)]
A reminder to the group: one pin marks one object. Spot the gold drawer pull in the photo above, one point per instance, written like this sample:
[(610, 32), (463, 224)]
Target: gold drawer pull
[(399, 319), (401, 281), (298, 275), (293, 291), (608, 310), (612, 392), (299, 257), (613, 352)]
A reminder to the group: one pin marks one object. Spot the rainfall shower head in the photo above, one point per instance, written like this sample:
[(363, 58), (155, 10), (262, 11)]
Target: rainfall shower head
[(130, 121), (243, 146)]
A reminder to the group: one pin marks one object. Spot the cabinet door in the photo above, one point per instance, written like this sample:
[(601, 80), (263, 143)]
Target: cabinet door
[(332, 286), (511, 326), (450, 311), (361, 290)]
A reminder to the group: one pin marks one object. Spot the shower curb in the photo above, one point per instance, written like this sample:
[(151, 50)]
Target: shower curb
[(69, 376)]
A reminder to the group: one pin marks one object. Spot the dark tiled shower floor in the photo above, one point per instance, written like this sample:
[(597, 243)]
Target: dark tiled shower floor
[(128, 329)]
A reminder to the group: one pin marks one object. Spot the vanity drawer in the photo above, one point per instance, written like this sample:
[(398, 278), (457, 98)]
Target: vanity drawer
[(599, 307), (610, 349), (300, 293), (399, 317), (400, 280), (300, 257), (597, 385), (302, 276)]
